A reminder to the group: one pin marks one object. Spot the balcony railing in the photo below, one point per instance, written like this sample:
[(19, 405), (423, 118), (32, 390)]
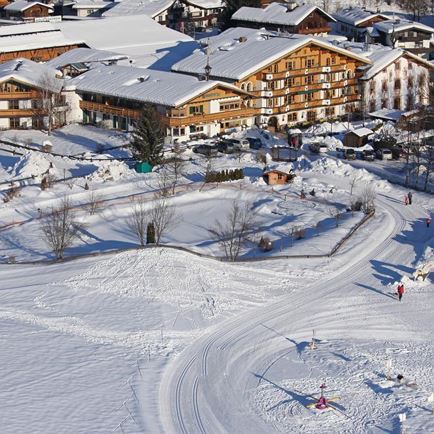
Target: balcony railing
[(109, 109), (20, 113), (199, 118), (20, 95), (302, 71)]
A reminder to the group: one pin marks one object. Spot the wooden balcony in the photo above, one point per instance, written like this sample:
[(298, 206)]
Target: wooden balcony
[(315, 104), (310, 87), (33, 94), (20, 113), (110, 110), (314, 30), (211, 117), (298, 72)]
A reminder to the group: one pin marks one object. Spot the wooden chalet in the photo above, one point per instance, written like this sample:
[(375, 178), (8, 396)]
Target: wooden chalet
[(297, 80), (277, 177), (357, 138), (288, 17), (23, 86), (23, 10), (113, 96)]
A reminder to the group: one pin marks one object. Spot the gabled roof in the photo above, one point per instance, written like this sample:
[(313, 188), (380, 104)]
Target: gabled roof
[(91, 4), (22, 5), (400, 25), (356, 16), (84, 55), (31, 73), (233, 58), (361, 132), (151, 8), (33, 41), (145, 85), (206, 4), (278, 13)]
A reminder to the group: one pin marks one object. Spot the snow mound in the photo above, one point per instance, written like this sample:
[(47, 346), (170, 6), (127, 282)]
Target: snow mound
[(34, 164), (110, 171)]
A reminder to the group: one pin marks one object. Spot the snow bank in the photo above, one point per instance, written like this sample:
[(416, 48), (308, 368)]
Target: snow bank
[(110, 171)]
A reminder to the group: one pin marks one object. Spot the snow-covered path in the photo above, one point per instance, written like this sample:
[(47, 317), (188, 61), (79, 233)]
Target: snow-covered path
[(208, 388)]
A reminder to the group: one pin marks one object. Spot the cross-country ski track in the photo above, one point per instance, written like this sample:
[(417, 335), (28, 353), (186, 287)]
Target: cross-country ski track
[(206, 388)]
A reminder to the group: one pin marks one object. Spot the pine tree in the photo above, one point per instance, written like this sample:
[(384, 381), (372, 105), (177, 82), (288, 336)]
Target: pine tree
[(147, 143), (230, 7), (150, 233)]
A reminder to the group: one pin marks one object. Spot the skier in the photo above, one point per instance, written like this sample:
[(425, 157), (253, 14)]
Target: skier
[(410, 197), (400, 291), (428, 222)]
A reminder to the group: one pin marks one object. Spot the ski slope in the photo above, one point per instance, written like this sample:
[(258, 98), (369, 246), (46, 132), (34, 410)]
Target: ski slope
[(216, 384)]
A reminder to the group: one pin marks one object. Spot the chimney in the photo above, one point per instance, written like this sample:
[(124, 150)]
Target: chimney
[(291, 5)]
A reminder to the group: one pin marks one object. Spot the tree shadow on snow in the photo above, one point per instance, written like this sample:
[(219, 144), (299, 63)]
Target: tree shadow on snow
[(385, 274), (292, 395), (299, 346), (376, 290)]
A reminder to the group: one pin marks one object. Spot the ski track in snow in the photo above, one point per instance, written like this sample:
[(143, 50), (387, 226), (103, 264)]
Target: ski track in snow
[(226, 362)]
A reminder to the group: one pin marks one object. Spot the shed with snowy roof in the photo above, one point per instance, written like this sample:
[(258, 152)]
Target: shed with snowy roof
[(358, 137)]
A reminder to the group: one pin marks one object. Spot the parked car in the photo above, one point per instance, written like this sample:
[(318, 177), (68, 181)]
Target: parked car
[(226, 147), (206, 150), (368, 155), (384, 154), (254, 142), (318, 148), (240, 144), (350, 154)]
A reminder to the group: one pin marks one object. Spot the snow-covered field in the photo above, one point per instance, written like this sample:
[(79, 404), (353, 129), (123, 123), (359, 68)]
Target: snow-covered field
[(161, 340)]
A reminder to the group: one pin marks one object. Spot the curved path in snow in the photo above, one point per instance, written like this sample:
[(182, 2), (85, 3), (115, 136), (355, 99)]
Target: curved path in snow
[(204, 390)]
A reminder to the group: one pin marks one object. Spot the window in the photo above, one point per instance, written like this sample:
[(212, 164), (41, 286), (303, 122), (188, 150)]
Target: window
[(290, 65), (328, 61), (333, 60), (196, 110), (276, 68), (330, 111), (178, 132), (310, 63), (14, 104), (308, 79), (230, 106), (311, 116), (289, 99), (397, 84), (292, 117), (397, 103)]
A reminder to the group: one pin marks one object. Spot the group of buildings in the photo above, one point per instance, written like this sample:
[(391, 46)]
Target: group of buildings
[(103, 71)]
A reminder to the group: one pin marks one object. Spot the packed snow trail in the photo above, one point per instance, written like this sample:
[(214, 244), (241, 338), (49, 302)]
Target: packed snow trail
[(204, 389)]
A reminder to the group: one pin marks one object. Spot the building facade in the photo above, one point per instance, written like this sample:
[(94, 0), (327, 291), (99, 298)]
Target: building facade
[(290, 17)]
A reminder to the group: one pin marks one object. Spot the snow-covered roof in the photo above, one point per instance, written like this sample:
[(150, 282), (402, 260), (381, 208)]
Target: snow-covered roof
[(379, 55), (123, 34), (278, 13), (84, 55), (400, 25), (356, 16), (151, 8), (206, 4), (387, 114), (362, 132), (24, 29), (31, 73), (22, 5), (91, 4), (46, 39), (239, 52), (145, 85)]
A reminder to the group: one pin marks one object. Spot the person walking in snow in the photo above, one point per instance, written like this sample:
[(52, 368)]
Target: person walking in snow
[(400, 291), (428, 222), (410, 197), (406, 199)]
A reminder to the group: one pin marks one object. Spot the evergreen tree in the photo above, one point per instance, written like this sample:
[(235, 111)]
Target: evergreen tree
[(150, 233), (230, 7), (147, 143)]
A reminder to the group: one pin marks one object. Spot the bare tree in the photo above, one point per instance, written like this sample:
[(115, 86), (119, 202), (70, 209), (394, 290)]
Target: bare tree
[(233, 231), (335, 214), (137, 222), (353, 182), (60, 228), (175, 167), (94, 202), (163, 216), (51, 101), (367, 198)]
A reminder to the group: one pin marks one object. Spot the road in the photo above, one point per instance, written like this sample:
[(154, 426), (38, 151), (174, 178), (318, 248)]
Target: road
[(204, 390)]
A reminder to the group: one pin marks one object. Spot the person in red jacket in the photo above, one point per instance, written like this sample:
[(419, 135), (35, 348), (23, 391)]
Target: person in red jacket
[(400, 291), (428, 222)]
